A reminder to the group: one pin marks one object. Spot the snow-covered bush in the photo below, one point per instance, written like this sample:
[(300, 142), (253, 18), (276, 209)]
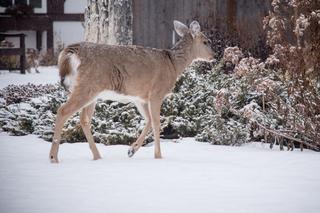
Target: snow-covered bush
[(21, 93), (113, 122)]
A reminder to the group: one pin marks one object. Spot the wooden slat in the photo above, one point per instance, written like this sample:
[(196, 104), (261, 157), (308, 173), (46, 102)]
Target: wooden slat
[(11, 34), (11, 51)]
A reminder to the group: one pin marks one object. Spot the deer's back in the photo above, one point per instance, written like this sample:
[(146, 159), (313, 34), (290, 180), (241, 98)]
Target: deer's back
[(130, 70)]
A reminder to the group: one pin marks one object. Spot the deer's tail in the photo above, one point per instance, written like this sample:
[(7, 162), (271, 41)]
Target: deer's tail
[(68, 63)]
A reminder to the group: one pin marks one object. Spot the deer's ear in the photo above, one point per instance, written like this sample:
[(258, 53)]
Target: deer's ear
[(180, 28), (195, 28)]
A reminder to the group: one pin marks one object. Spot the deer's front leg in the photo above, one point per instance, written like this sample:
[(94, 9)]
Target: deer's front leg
[(154, 107), (144, 111), (136, 145)]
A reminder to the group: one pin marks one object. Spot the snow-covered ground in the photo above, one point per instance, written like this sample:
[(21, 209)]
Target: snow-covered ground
[(192, 177), (47, 75)]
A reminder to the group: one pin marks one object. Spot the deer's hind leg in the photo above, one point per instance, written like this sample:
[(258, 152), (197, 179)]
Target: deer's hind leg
[(85, 121), (80, 97)]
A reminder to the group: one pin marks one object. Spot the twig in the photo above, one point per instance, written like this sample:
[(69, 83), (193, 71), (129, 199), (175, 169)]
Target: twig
[(295, 131), (287, 136)]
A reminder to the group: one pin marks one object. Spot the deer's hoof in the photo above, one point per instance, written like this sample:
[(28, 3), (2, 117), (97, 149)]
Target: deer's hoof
[(53, 159), (157, 156), (131, 152), (97, 157)]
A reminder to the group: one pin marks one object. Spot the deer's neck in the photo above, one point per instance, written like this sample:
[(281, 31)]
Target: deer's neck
[(181, 54)]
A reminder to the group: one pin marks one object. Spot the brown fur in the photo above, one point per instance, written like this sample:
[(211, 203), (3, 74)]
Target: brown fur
[(146, 73)]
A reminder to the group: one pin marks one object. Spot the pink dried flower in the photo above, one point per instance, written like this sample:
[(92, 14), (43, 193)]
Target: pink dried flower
[(272, 60), (266, 85), (246, 65), (232, 54)]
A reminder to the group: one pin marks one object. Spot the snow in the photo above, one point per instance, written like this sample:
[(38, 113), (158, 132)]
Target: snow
[(47, 75), (192, 177)]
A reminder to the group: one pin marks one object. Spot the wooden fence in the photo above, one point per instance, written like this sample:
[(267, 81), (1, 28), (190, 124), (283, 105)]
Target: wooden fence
[(15, 51), (152, 19)]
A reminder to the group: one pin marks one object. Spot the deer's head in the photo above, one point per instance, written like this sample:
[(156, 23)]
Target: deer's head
[(200, 44)]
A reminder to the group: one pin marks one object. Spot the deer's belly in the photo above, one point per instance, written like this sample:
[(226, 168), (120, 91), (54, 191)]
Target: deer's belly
[(114, 96)]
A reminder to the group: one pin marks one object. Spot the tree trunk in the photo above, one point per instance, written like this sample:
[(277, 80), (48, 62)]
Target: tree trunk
[(109, 21)]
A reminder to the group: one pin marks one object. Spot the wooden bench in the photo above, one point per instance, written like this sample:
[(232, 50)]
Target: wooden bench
[(15, 51)]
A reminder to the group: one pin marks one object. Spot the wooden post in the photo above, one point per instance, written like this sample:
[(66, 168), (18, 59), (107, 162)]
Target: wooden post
[(39, 40), (22, 55), (50, 38)]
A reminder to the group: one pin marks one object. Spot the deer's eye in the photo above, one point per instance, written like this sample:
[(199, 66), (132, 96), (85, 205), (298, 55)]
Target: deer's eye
[(205, 43)]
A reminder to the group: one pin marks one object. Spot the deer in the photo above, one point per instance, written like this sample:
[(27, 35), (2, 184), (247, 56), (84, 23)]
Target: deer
[(33, 58), (125, 73)]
